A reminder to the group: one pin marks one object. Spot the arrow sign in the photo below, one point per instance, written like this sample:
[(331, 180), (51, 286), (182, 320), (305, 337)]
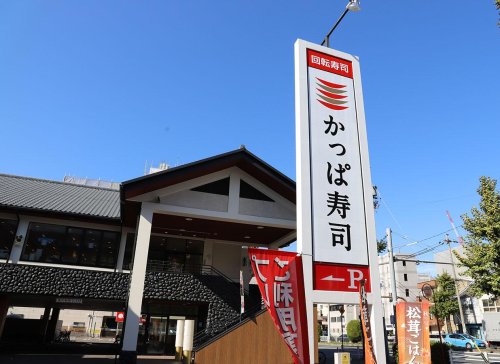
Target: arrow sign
[(332, 278), (343, 278)]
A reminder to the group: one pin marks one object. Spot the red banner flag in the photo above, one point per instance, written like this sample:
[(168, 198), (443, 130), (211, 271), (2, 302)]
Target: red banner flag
[(281, 284), (413, 332)]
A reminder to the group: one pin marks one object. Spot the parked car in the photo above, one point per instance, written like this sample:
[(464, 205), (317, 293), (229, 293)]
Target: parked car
[(434, 338), (343, 337), (464, 341)]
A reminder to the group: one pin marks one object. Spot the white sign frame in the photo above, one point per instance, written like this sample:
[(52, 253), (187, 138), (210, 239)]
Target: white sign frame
[(305, 227)]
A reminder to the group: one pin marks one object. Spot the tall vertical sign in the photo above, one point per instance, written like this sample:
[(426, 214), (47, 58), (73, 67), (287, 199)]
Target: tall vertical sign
[(413, 332), (335, 217)]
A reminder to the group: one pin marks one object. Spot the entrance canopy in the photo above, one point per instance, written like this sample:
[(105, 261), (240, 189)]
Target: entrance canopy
[(230, 197)]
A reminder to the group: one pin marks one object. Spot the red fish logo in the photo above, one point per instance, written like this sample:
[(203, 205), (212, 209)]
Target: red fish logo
[(331, 94)]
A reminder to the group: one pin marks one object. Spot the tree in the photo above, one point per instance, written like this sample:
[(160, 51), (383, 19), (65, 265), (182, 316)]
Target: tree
[(444, 298), (354, 330), (382, 244), (481, 256), (498, 7)]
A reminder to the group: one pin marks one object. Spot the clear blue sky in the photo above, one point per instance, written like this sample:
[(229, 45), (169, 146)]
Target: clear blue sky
[(97, 88)]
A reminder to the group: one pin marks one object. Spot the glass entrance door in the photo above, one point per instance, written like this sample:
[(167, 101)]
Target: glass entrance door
[(171, 332), (156, 335)]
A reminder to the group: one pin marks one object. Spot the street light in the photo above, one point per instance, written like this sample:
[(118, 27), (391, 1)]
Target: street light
[(353, 5)]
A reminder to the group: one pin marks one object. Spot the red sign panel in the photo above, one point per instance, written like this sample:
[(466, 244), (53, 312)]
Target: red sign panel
[(120, 316), (345, 278), (281, 284), (329, 63)]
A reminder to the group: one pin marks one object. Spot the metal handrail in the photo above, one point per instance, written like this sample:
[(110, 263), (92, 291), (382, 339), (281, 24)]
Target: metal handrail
[(195, 269)]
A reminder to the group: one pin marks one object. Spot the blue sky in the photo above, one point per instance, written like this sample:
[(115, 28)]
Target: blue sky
[(97, 88)]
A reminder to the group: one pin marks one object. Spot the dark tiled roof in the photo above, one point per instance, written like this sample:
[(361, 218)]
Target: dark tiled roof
[(43, 195)]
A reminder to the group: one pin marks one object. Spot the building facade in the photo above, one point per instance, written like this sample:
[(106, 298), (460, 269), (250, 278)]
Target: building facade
[(406, 285), (163, 247)]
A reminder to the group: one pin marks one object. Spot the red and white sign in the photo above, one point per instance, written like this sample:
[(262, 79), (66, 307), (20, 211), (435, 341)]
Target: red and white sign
[(335, 163), (345, 278), (120, 316), (281, 283)]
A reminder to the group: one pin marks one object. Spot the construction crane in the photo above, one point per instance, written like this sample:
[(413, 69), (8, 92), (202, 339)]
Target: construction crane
[(459, 238)]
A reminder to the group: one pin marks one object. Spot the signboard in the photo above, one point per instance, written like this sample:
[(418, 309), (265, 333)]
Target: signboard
[(335, 216), (281, 284), (413, 332), (337, 198), (345, 278), (120, 317)]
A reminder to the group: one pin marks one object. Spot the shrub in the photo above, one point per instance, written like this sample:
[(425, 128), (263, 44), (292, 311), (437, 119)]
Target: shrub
[(440, 353), (354, 331)]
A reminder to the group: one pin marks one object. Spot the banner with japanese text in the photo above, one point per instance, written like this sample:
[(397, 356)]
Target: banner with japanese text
[(412, 320), (366, 325), (281, 283)]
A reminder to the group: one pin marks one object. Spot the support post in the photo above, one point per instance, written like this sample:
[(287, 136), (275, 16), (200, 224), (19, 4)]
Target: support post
[(45, 324), (464, 328), (51, 328), (187, 342), (392, 272), (179, 338), (131, 330), (17, 247), (4, 309)]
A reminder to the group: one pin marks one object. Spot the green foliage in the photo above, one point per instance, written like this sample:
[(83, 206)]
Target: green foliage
[(445, 302), (439, 353), (354, 331), (481, 256), (320, 330), (382, 244)]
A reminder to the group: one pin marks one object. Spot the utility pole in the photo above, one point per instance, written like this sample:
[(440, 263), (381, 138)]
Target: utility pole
[(448, 241), (392, 272), (328, 318)]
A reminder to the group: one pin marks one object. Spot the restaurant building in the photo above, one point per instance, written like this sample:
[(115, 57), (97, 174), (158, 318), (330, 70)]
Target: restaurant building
[(162, 247)]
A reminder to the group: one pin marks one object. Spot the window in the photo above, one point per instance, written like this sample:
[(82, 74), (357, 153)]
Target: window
[(405, 277), (175, 254), (129, 251), (404, 263), (57, 244), (407, 292), (8, 230), (220, 187), (491, 305), (250, 192)]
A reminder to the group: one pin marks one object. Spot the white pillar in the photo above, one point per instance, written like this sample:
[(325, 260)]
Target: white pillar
[(187, 342), (17, 247), (137, 280), (234, 194), (179, 338), (121, 251)]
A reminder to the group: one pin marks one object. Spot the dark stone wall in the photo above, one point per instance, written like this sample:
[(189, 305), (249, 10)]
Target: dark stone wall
[(187, 287), (49, 281)]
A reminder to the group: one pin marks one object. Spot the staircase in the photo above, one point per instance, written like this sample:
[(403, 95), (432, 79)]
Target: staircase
[(221, 286)]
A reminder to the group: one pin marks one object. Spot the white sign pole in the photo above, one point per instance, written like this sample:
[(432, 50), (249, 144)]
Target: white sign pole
[(335, 216)]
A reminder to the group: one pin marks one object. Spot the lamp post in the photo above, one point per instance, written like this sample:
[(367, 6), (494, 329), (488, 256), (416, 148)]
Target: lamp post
[(353, 5), (342, 310)]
